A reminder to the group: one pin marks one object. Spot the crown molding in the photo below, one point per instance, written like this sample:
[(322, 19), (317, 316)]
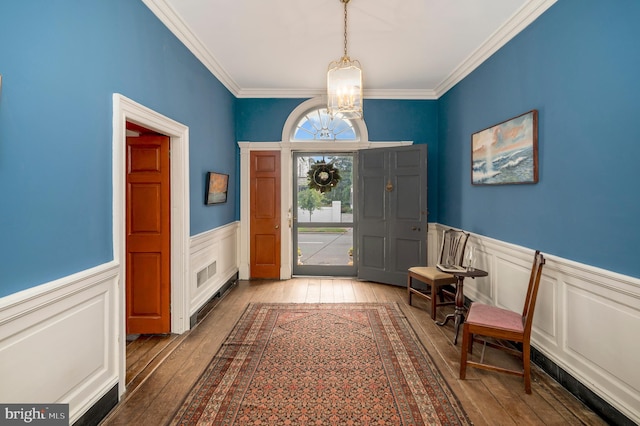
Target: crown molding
[(408, 94), (419, 94), (168, 16), (281, 93), (518, 22)]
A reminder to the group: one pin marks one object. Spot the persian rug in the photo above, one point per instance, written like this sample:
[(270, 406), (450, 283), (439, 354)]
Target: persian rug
[(321, 364)]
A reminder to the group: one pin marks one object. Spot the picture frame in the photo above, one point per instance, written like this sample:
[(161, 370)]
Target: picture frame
[(506, 153), (217, 185)]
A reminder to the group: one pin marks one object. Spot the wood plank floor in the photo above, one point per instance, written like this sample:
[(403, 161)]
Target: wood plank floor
[(488, 398)]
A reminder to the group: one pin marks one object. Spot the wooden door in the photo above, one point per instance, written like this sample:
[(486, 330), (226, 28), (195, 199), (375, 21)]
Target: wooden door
[(392, 212), (264, 220), (148, 280)]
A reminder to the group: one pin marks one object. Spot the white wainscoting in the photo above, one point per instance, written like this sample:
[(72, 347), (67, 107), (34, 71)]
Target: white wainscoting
[(58, 341), (586, 319), (214, 254)]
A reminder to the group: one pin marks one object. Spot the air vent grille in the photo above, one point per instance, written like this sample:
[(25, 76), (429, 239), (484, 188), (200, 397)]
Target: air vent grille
[(205, 273)]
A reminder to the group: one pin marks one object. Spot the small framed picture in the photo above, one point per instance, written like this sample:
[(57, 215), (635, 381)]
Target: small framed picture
[(216, 188), (506, 153)]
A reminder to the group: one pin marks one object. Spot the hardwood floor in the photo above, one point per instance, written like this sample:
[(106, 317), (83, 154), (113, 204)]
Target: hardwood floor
[(156, 391)]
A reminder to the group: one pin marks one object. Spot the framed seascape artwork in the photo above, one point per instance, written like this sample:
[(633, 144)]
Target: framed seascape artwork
[(216, 188), (506, 153)]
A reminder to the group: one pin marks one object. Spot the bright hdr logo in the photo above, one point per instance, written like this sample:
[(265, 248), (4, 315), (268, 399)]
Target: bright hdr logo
[(36, 414)]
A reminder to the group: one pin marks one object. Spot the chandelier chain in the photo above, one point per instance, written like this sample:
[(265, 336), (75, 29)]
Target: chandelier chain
[(345, 27)]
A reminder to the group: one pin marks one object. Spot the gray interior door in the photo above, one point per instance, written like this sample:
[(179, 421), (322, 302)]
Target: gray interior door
[(392, 214)]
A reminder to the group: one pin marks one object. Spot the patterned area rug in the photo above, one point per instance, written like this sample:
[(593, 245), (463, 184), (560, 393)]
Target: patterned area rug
[(321, 364)]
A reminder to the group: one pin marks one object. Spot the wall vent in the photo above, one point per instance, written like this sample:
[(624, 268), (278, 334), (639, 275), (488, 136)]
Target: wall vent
[(211, 270), (205, 273)]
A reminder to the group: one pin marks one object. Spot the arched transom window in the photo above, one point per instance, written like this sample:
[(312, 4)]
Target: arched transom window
[(310, 123), (318, 125)]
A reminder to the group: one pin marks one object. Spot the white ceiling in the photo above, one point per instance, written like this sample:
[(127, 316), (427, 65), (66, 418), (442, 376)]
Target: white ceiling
[(408, 49)]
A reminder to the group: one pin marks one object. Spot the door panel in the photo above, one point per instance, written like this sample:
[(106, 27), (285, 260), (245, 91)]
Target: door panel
[(148, 280), (265, 214), (392, 226), (372, 252), (372, 217), (146, 270)]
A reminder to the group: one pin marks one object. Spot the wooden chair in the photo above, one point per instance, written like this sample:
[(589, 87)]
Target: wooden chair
[(502, 325), (451, 252)]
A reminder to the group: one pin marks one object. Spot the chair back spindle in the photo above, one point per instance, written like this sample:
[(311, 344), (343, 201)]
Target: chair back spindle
[(532, 292), (453, 246)]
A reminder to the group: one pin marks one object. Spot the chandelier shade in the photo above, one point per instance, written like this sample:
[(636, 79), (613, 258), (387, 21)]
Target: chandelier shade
[(344, 88), (344, 83)]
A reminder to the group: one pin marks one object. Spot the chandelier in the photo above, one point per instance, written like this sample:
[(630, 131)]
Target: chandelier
[(344, 82)]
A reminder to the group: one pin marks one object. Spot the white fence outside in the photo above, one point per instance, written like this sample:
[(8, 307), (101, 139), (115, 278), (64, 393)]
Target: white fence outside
[(323, 214)]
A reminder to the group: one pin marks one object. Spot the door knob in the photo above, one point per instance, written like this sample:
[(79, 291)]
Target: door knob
[(277, 226), (415, 228)]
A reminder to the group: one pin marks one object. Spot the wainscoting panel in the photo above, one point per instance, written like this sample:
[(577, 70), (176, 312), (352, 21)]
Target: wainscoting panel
[(545, 319), (58, 341), (511, 277), (483, 286), (214, 260), (599, 337), (585, 322)]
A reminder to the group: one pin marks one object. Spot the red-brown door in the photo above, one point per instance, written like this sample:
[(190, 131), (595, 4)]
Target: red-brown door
[(148, 235), (264, 223)]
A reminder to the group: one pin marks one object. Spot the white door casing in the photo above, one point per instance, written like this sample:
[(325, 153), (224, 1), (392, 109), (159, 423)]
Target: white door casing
[(125, 109)]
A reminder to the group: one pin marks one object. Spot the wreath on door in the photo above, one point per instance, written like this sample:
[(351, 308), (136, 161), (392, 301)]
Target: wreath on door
[(323, 176)]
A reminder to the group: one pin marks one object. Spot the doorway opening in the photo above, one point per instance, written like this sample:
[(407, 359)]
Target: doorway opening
[(323, 224), (125, 110)]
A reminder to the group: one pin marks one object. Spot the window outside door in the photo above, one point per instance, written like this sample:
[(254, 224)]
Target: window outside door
[(323, 212)]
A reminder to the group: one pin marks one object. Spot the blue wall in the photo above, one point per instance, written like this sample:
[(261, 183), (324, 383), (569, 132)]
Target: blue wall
[(60, 63), (262, 120), (579, 66)]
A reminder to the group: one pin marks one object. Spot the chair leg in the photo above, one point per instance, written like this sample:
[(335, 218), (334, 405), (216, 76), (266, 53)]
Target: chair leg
[(526, 366), (433, 302), (409, 288), (463, 351)]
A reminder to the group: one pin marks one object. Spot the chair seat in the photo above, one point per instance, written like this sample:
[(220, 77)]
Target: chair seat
[(431, 273), (494, 317)]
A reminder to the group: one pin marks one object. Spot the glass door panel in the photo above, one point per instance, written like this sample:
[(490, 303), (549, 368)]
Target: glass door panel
[(323, 214)]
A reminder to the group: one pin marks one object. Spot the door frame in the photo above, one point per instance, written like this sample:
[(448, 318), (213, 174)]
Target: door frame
[(286, 146), (286, 149), (125, 109)]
